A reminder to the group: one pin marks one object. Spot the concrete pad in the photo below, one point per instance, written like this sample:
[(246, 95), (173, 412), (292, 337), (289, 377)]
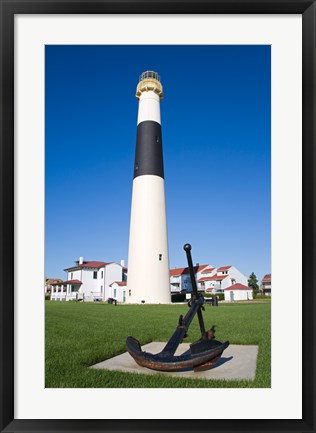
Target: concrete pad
[(237, 362)]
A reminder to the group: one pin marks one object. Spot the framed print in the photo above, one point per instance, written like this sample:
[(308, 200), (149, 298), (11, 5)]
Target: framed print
[(239, 168)]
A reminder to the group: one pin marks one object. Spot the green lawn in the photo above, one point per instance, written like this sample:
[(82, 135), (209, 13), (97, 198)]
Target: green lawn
[(78, 335)]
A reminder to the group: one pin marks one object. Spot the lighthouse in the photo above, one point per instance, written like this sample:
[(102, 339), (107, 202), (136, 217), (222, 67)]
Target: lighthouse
[(148, 258)]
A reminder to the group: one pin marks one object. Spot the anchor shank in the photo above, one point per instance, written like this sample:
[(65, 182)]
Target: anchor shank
[(182, 329), (201, 323), (187, 248)]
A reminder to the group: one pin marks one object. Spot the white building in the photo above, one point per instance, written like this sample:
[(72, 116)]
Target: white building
[(218, 279), (238, 292), (90, 281), (98, 281), (180, 280), (118, 291), (209, 279), (48, 284), (266, 285)]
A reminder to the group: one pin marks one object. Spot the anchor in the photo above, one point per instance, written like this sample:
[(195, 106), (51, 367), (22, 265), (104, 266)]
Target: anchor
[(202, 354)]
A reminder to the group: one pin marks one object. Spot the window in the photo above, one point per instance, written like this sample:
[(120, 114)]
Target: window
[(129, 292), (72, 276), (101, 274), (95, 274), (101, 289), (160, 257), (114, 293)]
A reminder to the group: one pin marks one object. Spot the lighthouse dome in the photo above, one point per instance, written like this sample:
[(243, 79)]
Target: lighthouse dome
[(149, 81)]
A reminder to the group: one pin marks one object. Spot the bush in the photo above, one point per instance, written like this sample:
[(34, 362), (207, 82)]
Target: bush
[(220, 296), (255, 296), (47, 297), (178, 297)]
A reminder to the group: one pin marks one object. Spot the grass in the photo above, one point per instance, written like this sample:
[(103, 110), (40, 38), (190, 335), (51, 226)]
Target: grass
[(78, 335)]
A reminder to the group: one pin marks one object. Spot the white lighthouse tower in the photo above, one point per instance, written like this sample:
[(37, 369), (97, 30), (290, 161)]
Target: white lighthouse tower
[(148, 259)]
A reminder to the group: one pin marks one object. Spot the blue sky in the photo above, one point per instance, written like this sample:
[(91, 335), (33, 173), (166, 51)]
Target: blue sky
[(216, 143)]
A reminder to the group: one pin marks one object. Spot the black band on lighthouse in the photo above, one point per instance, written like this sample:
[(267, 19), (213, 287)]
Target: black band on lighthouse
[(148, 158)]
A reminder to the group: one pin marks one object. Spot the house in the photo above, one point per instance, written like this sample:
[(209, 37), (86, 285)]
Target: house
[(48, 284), (266, 285), (238, 292), (209, 279), (216, 280), (98, 281), (89, 281), (118, 291), (180, 280)]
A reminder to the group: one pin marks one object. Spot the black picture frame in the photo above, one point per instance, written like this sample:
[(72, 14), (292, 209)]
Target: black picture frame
[(8, 10)]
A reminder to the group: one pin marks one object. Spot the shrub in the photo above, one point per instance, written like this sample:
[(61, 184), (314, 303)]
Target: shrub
[(220, 296), (178, 297), (47, 297), (261, 296)]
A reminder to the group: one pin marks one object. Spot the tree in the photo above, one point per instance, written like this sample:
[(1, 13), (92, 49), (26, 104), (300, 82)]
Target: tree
[(253, 283)]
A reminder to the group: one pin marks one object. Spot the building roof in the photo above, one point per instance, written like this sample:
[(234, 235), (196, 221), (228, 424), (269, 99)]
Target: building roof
[(208, 270), (72, 282), (176, 272), (206, 278), (53, 281), (213, 278), (197, 268), (223, 268), (68, 282), (119, 283), (183, 271), (266, 278), (238, 286), (92, 264)]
